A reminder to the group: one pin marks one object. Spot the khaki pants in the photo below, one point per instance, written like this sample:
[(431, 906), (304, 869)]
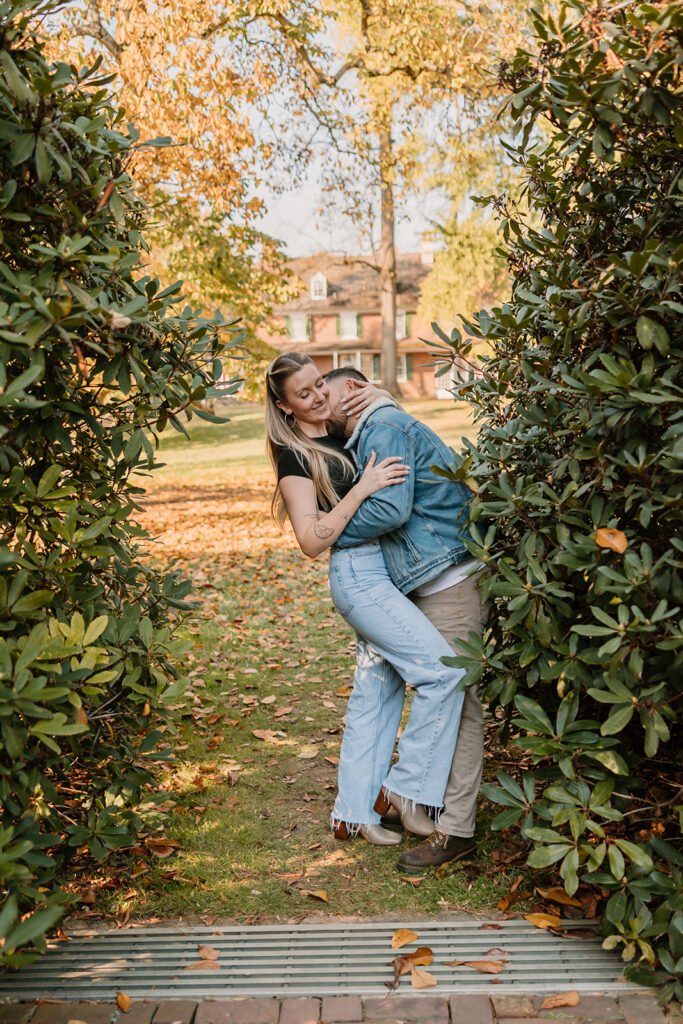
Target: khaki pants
[(455, 612)]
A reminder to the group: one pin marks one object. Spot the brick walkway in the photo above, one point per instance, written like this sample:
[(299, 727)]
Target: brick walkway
[(637, 1008)]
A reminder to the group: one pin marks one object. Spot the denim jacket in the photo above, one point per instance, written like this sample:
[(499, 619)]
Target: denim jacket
[(420, 523)]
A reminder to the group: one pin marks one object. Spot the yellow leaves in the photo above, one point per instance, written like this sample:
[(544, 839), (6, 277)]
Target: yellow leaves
[(558, 895), (316, 894), (422, 979), (123, 1001), (543, 920), (483, 966), (402, 937), (613, 539)]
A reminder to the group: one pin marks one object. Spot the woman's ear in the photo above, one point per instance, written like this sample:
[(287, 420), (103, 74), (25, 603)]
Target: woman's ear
[(283, 407)]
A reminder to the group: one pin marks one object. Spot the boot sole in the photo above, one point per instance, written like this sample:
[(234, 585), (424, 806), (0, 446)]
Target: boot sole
[(414, 869)]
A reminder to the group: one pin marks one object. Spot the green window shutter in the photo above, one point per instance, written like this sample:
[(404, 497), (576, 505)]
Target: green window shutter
[(309, 324), (288, 326), (409, 367), (376, 368), (359, 326), (337, 322), (409, 325)]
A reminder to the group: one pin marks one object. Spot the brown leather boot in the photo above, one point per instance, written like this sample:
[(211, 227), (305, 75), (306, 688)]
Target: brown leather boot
[(439, 848)]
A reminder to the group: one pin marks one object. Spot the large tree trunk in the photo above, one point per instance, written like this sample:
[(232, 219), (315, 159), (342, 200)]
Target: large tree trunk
[(387, 273)]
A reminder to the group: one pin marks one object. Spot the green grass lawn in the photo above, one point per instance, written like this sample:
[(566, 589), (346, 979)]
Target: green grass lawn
[(250, 813)]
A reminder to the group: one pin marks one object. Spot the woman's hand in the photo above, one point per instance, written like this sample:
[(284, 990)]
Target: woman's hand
[(382, 474), (362, 397)]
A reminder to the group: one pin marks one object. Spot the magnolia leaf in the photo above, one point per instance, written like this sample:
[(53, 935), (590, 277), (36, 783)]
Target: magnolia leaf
[(208, 953), (316, 894), (402, 937), (558, 895), (613, 539), (562, 999), (483, 966), (123, 1001), (422, 979), (543, 920), (203, 965), (422, 957)]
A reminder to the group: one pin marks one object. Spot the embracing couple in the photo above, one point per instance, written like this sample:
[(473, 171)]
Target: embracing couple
[(354, 475)]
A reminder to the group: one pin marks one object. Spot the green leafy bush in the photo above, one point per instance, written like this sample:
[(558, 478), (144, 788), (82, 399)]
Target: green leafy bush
[(577, 468), (94, 361)]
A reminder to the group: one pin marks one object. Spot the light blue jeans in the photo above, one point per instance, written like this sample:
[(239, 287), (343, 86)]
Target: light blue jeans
[(396, 644)]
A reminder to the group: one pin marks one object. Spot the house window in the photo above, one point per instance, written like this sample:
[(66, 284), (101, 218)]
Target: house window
[(401, 325), (376, 367), (350, 359), (348, 326), (298, 326), (404, 368), (318, 286)]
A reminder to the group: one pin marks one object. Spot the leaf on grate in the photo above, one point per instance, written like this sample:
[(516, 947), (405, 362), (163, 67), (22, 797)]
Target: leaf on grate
[(483, 967), (574, 933), (402, 937), (490, 927), (203, 965), (495, 952), (401, 965), (208, 953), (422, 979), (123, 1001), (544, 920), (558, 895), (422, 957), (316, 894), (562, 999)]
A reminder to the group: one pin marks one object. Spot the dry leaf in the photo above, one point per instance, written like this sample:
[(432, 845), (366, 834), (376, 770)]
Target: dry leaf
[(413, 880), (613, 539), (401, 965), (208, 953), (512, 897), (332, 759), (123, 1001), (496, 952), (402, 937), (105, 197), (562, 999), (269, 700), (203, 965), (483, 966), (489, 927), (307, 754), (344, 691), (316, 894), (543, 920), (422, 979), (422, 957), (558, 895)]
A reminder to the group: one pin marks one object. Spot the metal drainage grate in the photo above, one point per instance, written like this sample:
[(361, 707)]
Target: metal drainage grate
[(325, 959)]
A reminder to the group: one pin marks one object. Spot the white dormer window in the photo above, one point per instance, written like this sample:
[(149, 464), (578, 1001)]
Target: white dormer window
[(318, 286)]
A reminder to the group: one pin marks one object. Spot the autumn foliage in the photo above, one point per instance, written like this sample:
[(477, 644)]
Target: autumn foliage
[(94, 361), (577, 468)]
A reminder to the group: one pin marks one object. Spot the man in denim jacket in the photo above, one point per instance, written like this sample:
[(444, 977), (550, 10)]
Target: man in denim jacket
[(420, 527)]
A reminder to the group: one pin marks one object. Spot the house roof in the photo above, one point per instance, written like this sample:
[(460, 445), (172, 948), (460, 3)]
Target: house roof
[(353, 284)]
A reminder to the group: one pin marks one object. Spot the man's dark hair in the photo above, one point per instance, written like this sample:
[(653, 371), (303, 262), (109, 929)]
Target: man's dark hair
[(345, 371)]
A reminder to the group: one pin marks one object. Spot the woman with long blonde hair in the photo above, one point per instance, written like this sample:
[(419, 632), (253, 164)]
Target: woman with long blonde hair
[(319, 489)]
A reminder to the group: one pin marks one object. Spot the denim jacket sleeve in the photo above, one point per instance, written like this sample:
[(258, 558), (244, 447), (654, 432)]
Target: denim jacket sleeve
[(389, 508)]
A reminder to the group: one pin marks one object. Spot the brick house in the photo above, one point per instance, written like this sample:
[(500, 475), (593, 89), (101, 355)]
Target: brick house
[(336, 320)]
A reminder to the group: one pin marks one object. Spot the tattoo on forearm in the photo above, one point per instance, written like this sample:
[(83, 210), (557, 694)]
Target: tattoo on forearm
[(322, 532), (345, 517)]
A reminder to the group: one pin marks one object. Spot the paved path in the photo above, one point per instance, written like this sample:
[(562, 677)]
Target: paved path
[(393, 1009)]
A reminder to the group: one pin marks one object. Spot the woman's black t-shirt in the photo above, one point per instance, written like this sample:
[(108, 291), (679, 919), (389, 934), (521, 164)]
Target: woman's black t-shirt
[(289, 465)]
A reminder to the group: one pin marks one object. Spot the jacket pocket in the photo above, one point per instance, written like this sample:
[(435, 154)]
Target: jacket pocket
[(411, 550)]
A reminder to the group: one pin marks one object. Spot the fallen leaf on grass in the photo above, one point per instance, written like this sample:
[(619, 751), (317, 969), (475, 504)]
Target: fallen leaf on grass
[(307, 754), (281, 712), (290, 878), (344, 691), (422, 979), (558, 895), (402, 937), (543, 920), (483, 966), (332, 759), (269, 700), (415, 882), (562, 999), (316, 894), (123, 1001), (511, 897), (203, 965), (208, 953)]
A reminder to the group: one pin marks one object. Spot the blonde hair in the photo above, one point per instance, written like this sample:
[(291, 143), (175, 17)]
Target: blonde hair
[(282, 433)]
